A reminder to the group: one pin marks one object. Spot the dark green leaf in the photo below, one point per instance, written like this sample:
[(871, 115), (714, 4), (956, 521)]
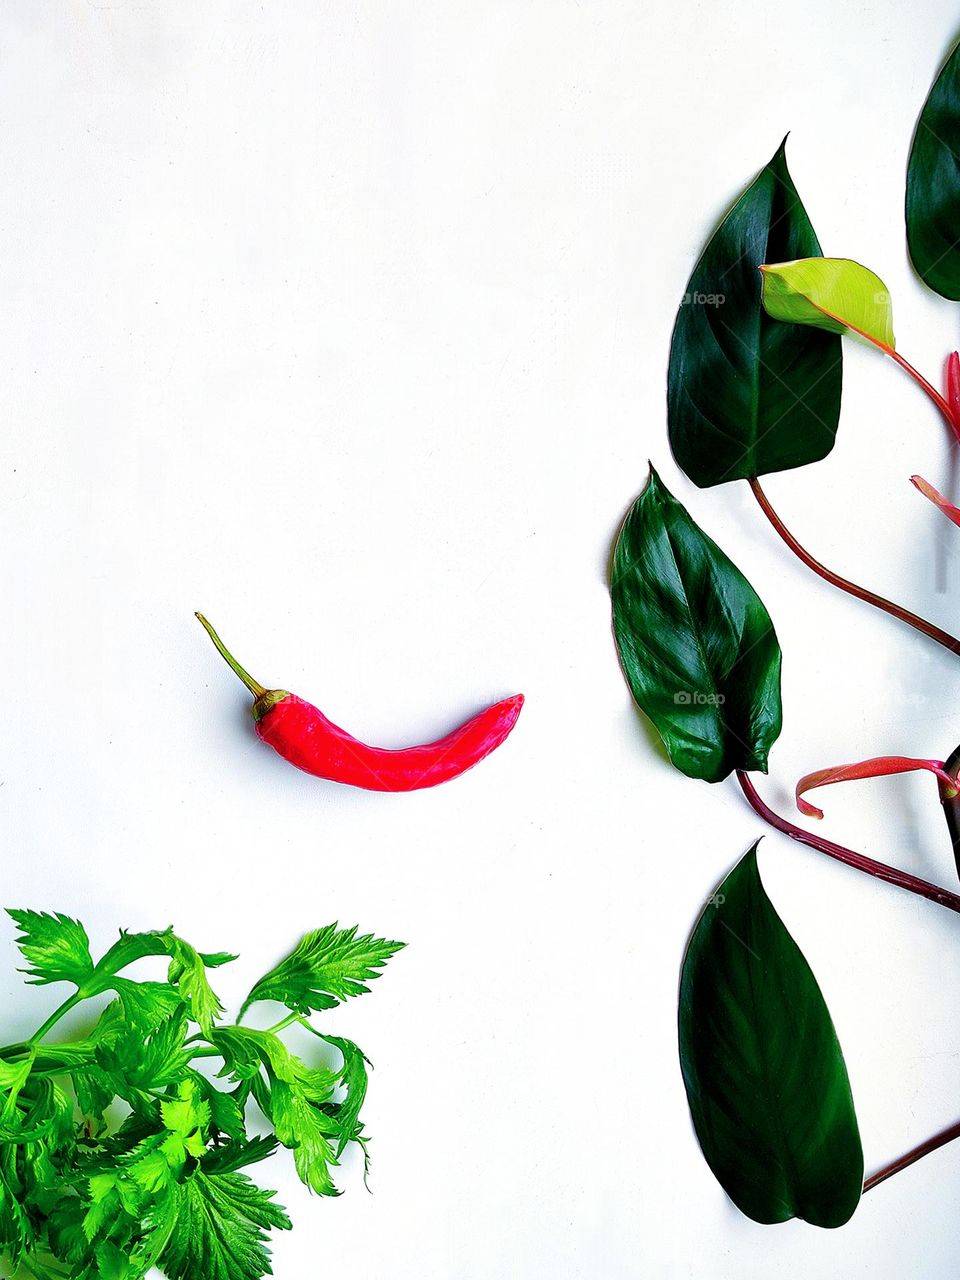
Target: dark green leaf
[(933, 185), (326, 966), (15, 1232), (748, 395), (763, 1069), (697, 646), (65, 1229)]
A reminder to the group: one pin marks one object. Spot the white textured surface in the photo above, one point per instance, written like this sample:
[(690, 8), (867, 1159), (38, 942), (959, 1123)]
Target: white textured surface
[(348, 324)]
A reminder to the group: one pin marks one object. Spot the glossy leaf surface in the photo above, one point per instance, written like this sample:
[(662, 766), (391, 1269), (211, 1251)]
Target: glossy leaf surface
[(696, 644), (933, 185), (763, 1069), (835, 294), (745, 395)]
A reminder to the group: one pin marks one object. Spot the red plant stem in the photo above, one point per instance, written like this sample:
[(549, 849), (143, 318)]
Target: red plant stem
[(879, 602), (921, 381), (911, 1157), (880, 870)]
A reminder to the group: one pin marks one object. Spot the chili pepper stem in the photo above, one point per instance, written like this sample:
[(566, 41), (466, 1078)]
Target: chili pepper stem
[(255, 688), (861, 593), (902, 879)]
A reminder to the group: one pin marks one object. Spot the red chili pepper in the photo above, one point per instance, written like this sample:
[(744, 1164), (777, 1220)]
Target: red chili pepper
[(304, 736)]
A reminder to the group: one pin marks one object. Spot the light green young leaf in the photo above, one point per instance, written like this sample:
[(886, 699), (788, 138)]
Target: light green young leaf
[(55, 946), (226, 1113), (353, 1079), (295, 1098), (835, 294), (186, 972), (302, 1127), (155, 1061), (114, 1264), (327, 965), (112, 1195), (157, 1163), (245, 1050), (13, 1076), (188, 1116), (220, 1229), (146, 1004)]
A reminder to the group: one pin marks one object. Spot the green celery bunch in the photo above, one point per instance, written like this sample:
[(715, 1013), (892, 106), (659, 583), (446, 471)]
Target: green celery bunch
[(120, 1153)]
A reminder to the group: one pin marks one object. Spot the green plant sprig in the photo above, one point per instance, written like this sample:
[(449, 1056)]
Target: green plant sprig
[(120, 1153)]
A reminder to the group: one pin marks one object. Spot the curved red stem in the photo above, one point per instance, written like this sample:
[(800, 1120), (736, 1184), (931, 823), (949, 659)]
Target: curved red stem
[(930, 390), (893, 876), (851, 588), (880, 870)]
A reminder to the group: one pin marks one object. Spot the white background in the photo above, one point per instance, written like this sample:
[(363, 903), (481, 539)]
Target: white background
[(348, 324)]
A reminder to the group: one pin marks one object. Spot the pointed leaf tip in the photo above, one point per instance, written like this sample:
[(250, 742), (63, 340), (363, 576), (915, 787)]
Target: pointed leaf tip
[(747, 396), (763, 1069)]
